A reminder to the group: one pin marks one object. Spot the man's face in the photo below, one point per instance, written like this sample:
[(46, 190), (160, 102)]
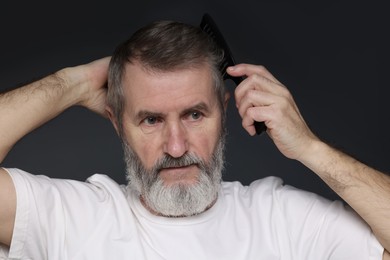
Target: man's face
[(173, 135)]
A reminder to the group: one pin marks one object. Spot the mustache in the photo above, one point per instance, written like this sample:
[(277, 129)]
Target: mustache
[(187, 159)]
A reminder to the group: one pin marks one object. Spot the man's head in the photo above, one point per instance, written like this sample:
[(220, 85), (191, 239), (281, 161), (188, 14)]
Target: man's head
[(167, 100)]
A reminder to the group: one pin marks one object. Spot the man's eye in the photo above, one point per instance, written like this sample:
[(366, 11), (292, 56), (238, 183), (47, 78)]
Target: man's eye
[(195, 115), (150, 120)]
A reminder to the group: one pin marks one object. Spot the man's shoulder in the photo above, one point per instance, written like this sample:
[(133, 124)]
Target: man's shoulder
[(260, 189), (270, 188)]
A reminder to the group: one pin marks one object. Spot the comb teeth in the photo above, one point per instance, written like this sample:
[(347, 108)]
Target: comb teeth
[(222, 68), (206, 28), (224, 63)]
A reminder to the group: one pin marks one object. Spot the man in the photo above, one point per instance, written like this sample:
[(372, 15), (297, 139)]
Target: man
[(167, 102)]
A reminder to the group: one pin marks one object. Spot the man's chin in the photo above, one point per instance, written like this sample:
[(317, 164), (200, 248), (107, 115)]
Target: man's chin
[(181, 197)]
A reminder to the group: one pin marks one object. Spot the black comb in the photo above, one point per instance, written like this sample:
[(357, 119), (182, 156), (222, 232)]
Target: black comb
[(210, 27)]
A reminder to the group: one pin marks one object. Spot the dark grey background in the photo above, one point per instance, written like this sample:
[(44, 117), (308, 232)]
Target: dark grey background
[(330, 54)]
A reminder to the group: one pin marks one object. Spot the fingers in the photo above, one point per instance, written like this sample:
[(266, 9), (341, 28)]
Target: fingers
[(98, 71), (252, 109), (249, 70), (258, 96), (258, 91), (104, 60), (91, 79), (258, 79), (254, 114)]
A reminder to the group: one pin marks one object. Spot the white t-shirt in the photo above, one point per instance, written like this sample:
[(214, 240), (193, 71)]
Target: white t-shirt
[(99, 219)]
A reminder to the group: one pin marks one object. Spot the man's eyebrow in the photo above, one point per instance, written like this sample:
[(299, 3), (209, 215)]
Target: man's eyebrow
[(142, 114), (203, 107)]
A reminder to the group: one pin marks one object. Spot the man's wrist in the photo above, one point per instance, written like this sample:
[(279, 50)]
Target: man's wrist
[(72, 86), (315, 154)]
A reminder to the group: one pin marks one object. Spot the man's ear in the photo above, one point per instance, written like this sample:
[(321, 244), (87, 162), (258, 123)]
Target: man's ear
[(226, 101), (112, 118)]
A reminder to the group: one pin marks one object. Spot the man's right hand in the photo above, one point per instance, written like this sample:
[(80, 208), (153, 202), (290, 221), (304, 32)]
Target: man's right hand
[(91, 82), (28, 107)]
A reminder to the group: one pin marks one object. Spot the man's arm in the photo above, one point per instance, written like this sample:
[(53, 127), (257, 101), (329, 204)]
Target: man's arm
[(7, 207), (24, 109), (261, 97), (365, 189)]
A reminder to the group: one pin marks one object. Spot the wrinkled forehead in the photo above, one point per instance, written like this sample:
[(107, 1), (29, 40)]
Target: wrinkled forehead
[(141, 82), (136, 71)]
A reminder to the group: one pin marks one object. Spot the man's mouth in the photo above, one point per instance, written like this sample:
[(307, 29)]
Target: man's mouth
[(186, 174), (173, 168)]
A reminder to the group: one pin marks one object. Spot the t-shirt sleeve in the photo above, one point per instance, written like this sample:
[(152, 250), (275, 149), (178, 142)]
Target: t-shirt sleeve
[(322, 229), (54, 217)]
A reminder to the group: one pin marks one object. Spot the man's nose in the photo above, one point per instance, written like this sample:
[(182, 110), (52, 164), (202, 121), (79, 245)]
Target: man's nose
[(176, 142)]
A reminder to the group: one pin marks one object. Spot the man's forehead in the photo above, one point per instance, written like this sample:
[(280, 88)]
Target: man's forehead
[(146, 68), (150, 89), (139, 76)]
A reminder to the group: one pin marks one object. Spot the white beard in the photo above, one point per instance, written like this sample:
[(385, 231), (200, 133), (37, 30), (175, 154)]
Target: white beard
[(181, 199)]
